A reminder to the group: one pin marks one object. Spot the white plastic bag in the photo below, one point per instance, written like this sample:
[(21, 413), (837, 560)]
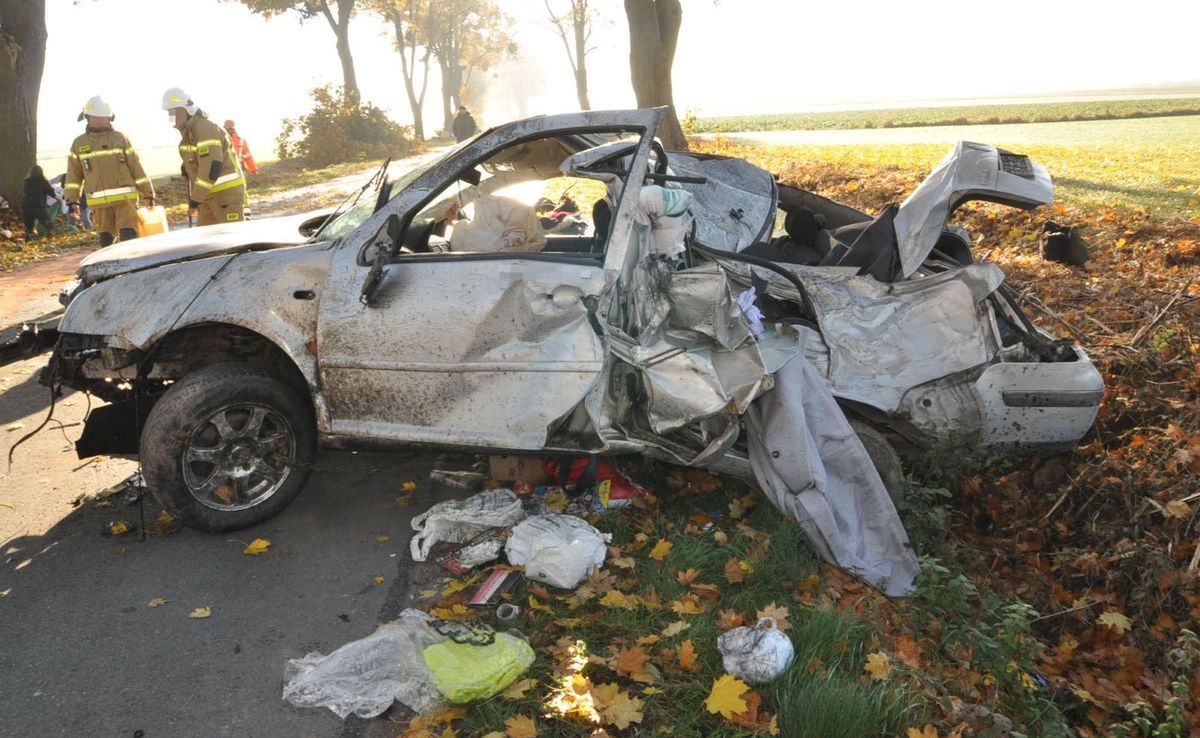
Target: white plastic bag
[(560, 550), (756, 655), (458, 521), (364, 676)]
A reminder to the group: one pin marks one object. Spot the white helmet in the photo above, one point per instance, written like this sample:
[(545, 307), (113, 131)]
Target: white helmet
[(97, 107), (177, 98)]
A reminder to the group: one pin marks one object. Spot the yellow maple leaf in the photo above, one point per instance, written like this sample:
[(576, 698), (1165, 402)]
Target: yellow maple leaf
[(408, 486), (687, 656), (675, 628), (517, 689), (1115, 620), (687, 605), (623, 562), (494, 734), (157, 602), (256, 547), (383, 539), (661, 549), (773, 727), (454, 612), (878, 665), (520, 726), (379, 580), (615, 706), (780, 615), (927, 732), (119, 528), (457, 586), (617, 598), (725, 697), (200, 613), (535, 604)]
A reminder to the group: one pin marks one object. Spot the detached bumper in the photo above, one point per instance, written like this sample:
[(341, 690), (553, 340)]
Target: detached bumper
[(1039, 404)]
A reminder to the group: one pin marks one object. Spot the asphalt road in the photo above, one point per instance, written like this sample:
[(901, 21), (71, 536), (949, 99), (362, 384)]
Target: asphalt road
[(84, 654)]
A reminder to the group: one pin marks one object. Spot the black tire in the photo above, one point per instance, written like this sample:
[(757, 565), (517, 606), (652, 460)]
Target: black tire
[(263, 424), (884, 457)]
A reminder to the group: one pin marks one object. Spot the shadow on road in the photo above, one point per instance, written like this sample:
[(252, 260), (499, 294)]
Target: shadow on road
[(84, 653)]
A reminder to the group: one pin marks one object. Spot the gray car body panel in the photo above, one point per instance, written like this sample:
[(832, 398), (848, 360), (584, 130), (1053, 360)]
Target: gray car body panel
[(553, 351)]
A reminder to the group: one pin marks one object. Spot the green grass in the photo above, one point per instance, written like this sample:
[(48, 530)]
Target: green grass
[(1151, 163), (824, 694), (952, 115)]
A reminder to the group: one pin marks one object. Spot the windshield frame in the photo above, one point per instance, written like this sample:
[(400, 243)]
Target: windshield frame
[(385, 191)]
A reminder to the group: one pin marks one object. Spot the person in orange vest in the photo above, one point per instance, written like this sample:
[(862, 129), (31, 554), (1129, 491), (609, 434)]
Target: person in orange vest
[(242, 148), (216, 187)]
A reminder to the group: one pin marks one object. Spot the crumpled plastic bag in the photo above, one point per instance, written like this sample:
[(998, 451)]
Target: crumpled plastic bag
[(475, 668), (458, 521), (756, 655), (365, 676), (560, 550)]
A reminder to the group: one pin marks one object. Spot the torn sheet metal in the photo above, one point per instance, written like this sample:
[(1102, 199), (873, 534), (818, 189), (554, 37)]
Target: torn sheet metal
[(970, 171), (810, 463), (737, 199), (689, 362), (885, 339)]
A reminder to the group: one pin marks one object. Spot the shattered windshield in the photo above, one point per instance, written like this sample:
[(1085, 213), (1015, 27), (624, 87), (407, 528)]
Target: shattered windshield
[(399, 176)]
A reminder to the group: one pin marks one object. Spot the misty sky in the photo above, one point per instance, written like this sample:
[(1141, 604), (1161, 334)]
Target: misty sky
[(734, 56)]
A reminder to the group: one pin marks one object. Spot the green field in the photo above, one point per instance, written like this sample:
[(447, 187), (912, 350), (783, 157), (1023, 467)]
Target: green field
[(1151, 162), (1041, 112)]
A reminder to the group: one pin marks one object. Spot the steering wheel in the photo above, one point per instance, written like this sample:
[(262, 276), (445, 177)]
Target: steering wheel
[(417, 235)]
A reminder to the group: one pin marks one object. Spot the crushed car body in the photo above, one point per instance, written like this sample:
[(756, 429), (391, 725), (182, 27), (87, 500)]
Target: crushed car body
[(443, 306)]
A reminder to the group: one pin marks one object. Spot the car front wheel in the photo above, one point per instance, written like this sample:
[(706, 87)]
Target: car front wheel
[(227, 447)]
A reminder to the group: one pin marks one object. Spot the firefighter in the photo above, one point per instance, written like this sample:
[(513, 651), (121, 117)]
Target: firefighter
[(103, 164), (216, 188)]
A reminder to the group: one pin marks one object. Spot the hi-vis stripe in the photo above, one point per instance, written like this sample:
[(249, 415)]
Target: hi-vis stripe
[(224, 182), (115, 194), (101, 152)]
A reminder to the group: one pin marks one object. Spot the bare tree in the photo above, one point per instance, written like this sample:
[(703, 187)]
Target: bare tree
[(336, 13), (466, 36), (653, 33), (574, 27), (22, 59), (409, 19)]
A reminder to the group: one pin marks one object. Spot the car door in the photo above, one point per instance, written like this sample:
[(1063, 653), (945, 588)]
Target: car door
[(486, 350)]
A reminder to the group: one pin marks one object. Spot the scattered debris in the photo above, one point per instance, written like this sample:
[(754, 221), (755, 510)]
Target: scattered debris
[(458, 521), (475, 662), (468, 480), (560, 550), (364, 677), (527, 469), (756, 654)]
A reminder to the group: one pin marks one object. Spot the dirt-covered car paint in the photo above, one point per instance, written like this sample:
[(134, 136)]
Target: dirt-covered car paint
[(618, 341)]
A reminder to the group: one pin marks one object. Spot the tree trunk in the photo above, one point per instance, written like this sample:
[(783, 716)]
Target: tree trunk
[(22, 57), (653, 33), (341, 29), (581, 86), (406, 45), (447, 95)]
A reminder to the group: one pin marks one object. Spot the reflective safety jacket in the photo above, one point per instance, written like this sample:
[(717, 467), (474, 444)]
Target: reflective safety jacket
[(243, 151), (103, 164), (208, 158)]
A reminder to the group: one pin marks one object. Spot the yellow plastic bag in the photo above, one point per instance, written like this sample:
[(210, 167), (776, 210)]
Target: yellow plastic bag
[(468, 671), (151, 221)]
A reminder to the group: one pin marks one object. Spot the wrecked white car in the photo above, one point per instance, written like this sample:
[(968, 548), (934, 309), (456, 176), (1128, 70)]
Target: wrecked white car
[(444, 306)]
